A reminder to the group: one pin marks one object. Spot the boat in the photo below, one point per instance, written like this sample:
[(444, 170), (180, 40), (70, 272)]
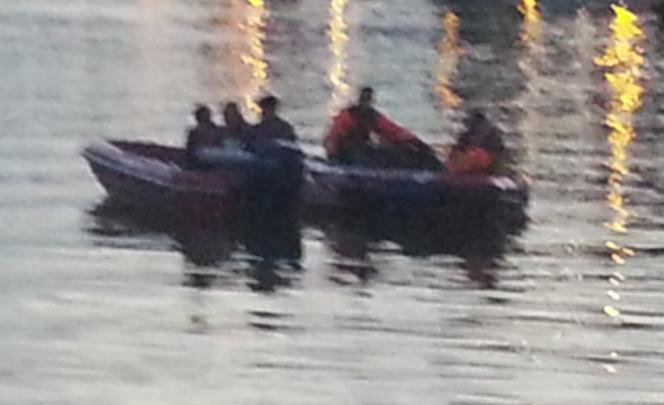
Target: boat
[(156, 177), (343, 185)]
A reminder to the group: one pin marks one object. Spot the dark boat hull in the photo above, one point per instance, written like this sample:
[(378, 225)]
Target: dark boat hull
[(347, 186), (154, 178), (151, 178)]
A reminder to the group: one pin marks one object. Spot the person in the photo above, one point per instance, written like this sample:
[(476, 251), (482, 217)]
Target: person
[(479, 149), (349, 138), (235, 132), (277, 177), (204, 134), (271, 126)]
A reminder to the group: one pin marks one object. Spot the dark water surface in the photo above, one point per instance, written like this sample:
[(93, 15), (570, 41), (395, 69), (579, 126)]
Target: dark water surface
[(98, 308)]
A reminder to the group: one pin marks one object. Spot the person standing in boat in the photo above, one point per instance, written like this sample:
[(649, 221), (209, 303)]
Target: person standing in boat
[(480, 148), (276, 179), (271, 125), (274, 140), (349, 139), (203, 135), (235, 132)]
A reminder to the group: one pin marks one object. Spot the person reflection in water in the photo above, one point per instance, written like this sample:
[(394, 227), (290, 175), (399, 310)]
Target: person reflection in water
[(203, 250), (274, 249), (351, 248), (481, 269), (204, 134), (235, 131)]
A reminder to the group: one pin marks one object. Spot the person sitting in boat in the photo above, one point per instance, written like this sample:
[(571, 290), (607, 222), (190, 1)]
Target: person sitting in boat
[(235, 131), (204, 134), (271, 126), (479, 149), (349, 140)]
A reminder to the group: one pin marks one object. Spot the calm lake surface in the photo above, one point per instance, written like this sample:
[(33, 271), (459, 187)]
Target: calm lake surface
[(96, 308)]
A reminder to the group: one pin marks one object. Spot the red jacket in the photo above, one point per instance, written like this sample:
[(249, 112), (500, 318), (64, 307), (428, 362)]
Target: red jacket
[(347, 131), (474, 160)]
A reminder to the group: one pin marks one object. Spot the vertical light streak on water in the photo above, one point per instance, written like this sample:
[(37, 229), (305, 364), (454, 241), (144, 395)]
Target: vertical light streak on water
[(532, 30), (153, 45), (623, 60), (450, 53), (531, 41), (337, 34), (254, 57)]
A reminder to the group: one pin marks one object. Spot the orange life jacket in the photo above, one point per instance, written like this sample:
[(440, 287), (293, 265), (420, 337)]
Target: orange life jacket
[(474, 160), (350, 129)]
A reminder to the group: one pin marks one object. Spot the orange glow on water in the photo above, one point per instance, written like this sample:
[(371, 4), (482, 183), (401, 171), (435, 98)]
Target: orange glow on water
[(254, 29), (531, 21), (532, 53), (450, 53), (623, 60), (338, 36)]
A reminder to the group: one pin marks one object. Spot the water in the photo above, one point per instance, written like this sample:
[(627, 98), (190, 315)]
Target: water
[(99, 309)]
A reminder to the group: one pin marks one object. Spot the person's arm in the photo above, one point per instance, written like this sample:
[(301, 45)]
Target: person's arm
[(341, 125), (191, 140), (190, 146), (289, 132), (393, 132)]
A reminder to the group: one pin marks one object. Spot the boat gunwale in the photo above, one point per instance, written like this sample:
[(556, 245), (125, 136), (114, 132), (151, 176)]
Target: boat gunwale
[(119, 164), (113, 157)]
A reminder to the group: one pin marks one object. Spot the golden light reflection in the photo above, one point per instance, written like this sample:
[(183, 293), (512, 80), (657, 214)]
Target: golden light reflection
[(613, 295), (614, 282), (533, 51), (610, 369), (531, 21), (623, 60), (337, 34), (611, 311), (450, 54), (254, 58)]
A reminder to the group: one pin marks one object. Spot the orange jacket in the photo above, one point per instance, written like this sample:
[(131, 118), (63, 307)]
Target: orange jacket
[(347, 131), (474, 160)]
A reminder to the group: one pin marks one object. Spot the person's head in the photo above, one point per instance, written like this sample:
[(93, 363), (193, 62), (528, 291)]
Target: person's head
[(365, 100), (232, 115), (268, 105), (476, 120), (202, 114), (476, 124)]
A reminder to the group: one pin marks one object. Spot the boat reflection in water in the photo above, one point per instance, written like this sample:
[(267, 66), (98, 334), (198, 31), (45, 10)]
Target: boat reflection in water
[(264, 253), (479, 235), (267, 253)]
